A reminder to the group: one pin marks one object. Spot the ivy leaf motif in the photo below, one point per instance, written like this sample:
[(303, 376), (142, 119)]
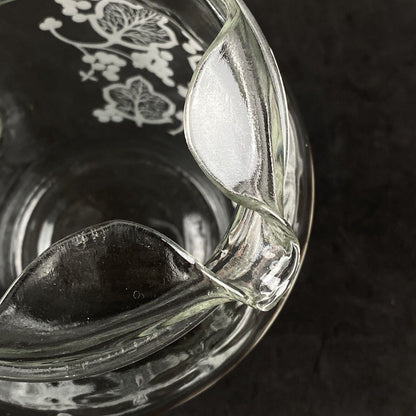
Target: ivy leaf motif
[(137, 101), (132, 25), (124, 100)]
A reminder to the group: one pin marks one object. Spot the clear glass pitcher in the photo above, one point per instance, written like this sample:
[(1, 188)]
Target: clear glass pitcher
[(167, 114)]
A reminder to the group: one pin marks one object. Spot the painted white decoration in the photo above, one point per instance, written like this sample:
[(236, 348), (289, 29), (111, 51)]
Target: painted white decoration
[(155, 62), (131, 25), (108, 64), (194, 60), (137, 101), (132, 34), (72, 8), (50, 24), (191, 46)]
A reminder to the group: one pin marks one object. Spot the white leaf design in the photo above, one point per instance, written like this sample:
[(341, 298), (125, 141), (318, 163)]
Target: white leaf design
[(133, 35), (132, 25), (136, 100)]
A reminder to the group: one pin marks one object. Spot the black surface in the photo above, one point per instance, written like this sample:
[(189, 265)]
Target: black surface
[(345, 343)]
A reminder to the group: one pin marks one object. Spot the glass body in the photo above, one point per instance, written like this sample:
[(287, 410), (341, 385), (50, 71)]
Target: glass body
[(91, 130)]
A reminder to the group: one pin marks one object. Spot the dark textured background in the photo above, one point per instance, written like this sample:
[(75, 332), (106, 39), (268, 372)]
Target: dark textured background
[(345, 344)]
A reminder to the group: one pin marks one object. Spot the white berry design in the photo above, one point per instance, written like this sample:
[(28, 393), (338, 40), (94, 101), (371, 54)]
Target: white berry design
[(132, 36), (107, 63)]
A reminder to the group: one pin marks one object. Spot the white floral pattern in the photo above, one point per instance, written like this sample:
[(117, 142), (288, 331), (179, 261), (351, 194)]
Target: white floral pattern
[(132, 34), (195, 51), (155, 62), (132, 25), (109, 64), (73, 8), (50, 24), (136, 101)]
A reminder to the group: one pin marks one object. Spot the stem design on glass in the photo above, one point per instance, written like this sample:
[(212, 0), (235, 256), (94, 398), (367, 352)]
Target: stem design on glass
[(133, 36)]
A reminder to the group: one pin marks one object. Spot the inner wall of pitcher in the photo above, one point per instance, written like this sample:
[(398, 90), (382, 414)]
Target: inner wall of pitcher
[(91, 124)]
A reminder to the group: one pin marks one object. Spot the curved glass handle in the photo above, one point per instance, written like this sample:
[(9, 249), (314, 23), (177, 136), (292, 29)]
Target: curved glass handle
[(236, 128)]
